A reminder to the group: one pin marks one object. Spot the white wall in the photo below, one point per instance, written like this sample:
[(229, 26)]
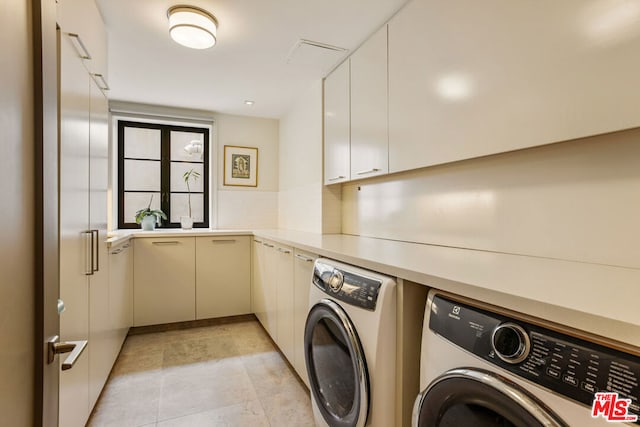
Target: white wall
[(249, 207), (578, 200), (17, 225), (304, 203)]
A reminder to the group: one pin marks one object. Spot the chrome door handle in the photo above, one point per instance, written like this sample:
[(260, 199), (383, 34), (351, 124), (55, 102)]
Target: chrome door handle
[(368, 171), (336, 178), (95, 249), (172, 242), (89, 263), (268, 245), (74, 347), (82, 50), (104, 85), (284, 251), (304, 258), (223, 241), (116, 251)]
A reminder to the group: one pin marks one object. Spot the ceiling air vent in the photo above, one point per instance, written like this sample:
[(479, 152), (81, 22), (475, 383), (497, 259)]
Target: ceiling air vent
[(317, 56)]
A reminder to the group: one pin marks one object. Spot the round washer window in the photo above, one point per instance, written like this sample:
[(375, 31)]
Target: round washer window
[(336, 366)]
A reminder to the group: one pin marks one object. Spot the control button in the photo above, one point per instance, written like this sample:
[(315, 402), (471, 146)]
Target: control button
[(510, 342), (570, 379), (588, 387), (553, 373)]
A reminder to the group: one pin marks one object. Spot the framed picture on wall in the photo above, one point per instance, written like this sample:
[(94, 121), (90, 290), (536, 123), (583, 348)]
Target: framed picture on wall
[(240, 166)]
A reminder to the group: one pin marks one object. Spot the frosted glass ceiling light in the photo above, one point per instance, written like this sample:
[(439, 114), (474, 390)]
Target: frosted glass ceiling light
[(192, 27)]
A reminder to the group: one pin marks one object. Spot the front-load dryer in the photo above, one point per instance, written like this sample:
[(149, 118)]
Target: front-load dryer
[(350, 346), (485, 366)]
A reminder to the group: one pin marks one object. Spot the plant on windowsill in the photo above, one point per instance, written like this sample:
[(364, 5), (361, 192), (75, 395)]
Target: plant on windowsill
[(148, 217), (187, 221)]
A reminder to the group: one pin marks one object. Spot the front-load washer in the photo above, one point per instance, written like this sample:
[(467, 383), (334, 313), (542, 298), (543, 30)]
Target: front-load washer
[(486, 366), (350, 346)]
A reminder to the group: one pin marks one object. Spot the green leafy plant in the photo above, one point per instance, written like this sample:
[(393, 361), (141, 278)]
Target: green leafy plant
[(149, 212), (188, 176)]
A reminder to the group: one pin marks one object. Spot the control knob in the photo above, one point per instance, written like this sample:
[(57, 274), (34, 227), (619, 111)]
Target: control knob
[(336, 281), (510, 342)]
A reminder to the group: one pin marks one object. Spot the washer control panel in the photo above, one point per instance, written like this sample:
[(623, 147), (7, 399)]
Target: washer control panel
[(564, 364), (346, 286)]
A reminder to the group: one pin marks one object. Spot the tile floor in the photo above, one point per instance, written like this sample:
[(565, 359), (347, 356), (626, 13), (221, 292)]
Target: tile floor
[(223, 375)]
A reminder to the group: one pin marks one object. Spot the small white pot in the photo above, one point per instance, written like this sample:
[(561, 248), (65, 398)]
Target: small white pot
[(148, 223), (186, 222)]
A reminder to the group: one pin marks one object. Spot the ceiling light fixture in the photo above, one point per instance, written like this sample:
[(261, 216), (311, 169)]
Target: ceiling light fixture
[(192, 27), (248, 102)]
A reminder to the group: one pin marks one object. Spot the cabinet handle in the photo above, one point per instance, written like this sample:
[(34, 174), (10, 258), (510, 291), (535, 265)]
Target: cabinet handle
[(80, 47), (223, 241), (89, 253), (365, 172), (100, 77), (304, 258), (284, 251), (336, 178), (126, 245), (257, 241), (117, 251), (95, 249), (268, 245), (172, 242)]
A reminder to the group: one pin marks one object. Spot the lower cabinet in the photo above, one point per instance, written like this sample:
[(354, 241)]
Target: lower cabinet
[(164, 280), (302, 272), (223, 276), (264, 298), (284, 301), (120, 292)]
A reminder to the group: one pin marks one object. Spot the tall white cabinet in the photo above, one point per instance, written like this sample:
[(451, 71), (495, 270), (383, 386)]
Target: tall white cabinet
[(84, 272), (337, 138)]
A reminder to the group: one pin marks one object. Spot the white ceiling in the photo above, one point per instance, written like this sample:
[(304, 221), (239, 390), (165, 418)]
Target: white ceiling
[(249, 62)]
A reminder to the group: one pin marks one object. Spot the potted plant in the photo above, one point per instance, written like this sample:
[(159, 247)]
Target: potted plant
[(148, 217), (187, 221)]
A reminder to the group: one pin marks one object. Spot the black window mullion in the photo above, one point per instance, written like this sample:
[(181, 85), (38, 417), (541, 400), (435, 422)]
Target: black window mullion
[(165, 176)]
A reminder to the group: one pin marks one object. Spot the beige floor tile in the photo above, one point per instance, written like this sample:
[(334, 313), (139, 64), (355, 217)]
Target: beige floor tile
[(224, 375), (247, 414)]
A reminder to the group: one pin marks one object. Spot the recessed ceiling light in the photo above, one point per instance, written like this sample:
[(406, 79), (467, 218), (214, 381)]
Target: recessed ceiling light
[(247, 102), (192, 27)]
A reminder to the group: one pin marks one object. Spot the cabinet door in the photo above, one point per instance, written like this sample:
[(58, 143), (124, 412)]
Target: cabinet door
[(258, 304), (82, 18), (223, 276), (269, 287), (369, 130), (164, 280), (121, 291), (505, 76), (336, 125), (303, 270), (285, 301), (101, 334), (74, 222)]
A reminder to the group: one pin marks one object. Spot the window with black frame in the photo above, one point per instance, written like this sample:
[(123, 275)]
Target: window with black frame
[(153, 163)]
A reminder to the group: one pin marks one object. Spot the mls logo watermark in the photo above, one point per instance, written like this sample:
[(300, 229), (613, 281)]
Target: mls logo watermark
[(612, 408)]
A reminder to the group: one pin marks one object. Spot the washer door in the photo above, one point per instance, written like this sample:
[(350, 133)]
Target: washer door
[(336, 366), (479, 398)]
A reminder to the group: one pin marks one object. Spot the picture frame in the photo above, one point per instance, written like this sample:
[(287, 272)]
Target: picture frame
[(240, 166)]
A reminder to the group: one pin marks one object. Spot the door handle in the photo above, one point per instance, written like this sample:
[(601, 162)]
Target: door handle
[(172, 242), (336, 178), (284, 251), (95, 249), (368, 171), (304, 258), (223, 241), (89, 263), (74, 347)]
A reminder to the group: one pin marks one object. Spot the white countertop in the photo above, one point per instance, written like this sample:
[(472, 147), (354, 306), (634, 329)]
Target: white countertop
[(597, 298)]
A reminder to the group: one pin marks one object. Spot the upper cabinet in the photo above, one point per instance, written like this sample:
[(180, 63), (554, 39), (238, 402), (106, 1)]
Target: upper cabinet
[(469, 78), (369, 130), (336, 125), (82, 22)]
